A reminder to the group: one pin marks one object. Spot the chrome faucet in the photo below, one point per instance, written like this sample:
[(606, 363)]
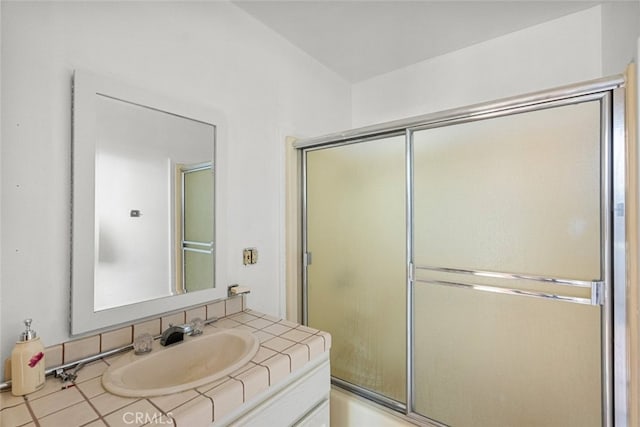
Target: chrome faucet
[(175, 333)]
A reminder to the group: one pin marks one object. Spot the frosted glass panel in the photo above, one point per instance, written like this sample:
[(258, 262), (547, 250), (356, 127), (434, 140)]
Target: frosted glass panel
[(516, 194), (198, 229), (198, 270), (356, 282), (198, 206), (499, 360)]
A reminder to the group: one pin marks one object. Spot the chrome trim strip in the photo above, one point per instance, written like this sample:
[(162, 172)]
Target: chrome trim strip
[(507, 291), (305, 242), (191, 242), (512, 276), (357, 140), (540, 97), (410, 389), (368, 394), (605, 260), (200, 251), (619, 269)]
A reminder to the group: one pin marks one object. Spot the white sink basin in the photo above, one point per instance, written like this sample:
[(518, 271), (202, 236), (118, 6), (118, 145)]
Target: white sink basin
[(182, 366)]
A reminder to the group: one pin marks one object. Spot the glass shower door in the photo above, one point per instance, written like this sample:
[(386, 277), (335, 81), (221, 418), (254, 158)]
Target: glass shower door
[(356, 273), (509, 259), (197, 269)]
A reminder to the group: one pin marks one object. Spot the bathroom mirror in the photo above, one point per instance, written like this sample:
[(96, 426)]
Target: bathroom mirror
[(144, 181)]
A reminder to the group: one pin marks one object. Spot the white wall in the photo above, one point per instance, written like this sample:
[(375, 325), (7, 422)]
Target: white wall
[(620, 31), (210, 53), (558, 52)]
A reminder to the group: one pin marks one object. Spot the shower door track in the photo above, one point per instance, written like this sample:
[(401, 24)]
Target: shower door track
[(608, 291)]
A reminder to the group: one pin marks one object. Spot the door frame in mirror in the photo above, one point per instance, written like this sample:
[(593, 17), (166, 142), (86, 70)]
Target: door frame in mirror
[(86, 85)]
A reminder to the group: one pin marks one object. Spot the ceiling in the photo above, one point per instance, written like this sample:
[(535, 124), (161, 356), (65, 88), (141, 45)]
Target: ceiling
[(362, 39)]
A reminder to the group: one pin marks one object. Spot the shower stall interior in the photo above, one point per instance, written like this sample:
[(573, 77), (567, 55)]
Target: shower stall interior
[(470, 264)]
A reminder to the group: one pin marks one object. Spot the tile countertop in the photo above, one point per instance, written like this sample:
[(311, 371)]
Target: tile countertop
[(284, 348)]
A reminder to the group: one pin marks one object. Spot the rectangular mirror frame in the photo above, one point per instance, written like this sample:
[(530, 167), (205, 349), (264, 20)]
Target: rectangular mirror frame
[(83, 318)]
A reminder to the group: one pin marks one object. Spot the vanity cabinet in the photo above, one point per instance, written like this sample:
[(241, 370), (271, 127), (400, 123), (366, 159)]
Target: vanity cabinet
[(302, 400)]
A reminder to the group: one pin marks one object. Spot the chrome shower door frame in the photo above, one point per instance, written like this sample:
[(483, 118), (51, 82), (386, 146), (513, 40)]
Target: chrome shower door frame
[(611, 296)]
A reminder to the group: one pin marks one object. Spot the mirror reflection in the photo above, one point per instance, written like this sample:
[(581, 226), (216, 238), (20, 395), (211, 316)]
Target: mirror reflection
[(154, 204)]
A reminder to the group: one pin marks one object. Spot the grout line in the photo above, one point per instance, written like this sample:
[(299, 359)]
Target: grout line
[(91, 404), (33, 415)]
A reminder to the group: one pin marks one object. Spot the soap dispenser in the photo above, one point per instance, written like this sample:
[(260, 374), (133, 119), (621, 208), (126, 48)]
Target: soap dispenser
[(27, 363)]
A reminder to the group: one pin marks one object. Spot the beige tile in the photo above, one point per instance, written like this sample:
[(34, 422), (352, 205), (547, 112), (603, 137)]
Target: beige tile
[(171, 401), (264, 353), (55, 401), (253, 312), (316, 346), (51, 385), (198, 312), (114, 339), (205, 388), (7, 400), (279, 367), (326, 336), (53, 356), (216, 310), (173, 319), (243, 317), (227, 323), (299, 355), (233, 305), (296, 335), (277, 329), (259, 323), (307, 329), (151, 327), (15, 416), (242, 369), (79, 349), (96, 423), (289, 324), (91, 370), (254, 381), (278, 344), (271, 318), (246, 328), (263, 336), (137, 414), (226, 398), (196, 412), (106, 403), (75, 415), (91, 388)]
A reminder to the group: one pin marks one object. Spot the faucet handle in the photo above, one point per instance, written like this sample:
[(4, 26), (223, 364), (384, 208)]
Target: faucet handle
[(197, 326)]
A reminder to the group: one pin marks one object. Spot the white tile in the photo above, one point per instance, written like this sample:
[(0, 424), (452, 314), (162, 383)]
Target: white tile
[(254, 381), (278, 344), (226, 398), (55, 401), (196, 412), (79, 349), (116, 339), (216, 310), (75, 415), (233, 305), (279, 367)]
